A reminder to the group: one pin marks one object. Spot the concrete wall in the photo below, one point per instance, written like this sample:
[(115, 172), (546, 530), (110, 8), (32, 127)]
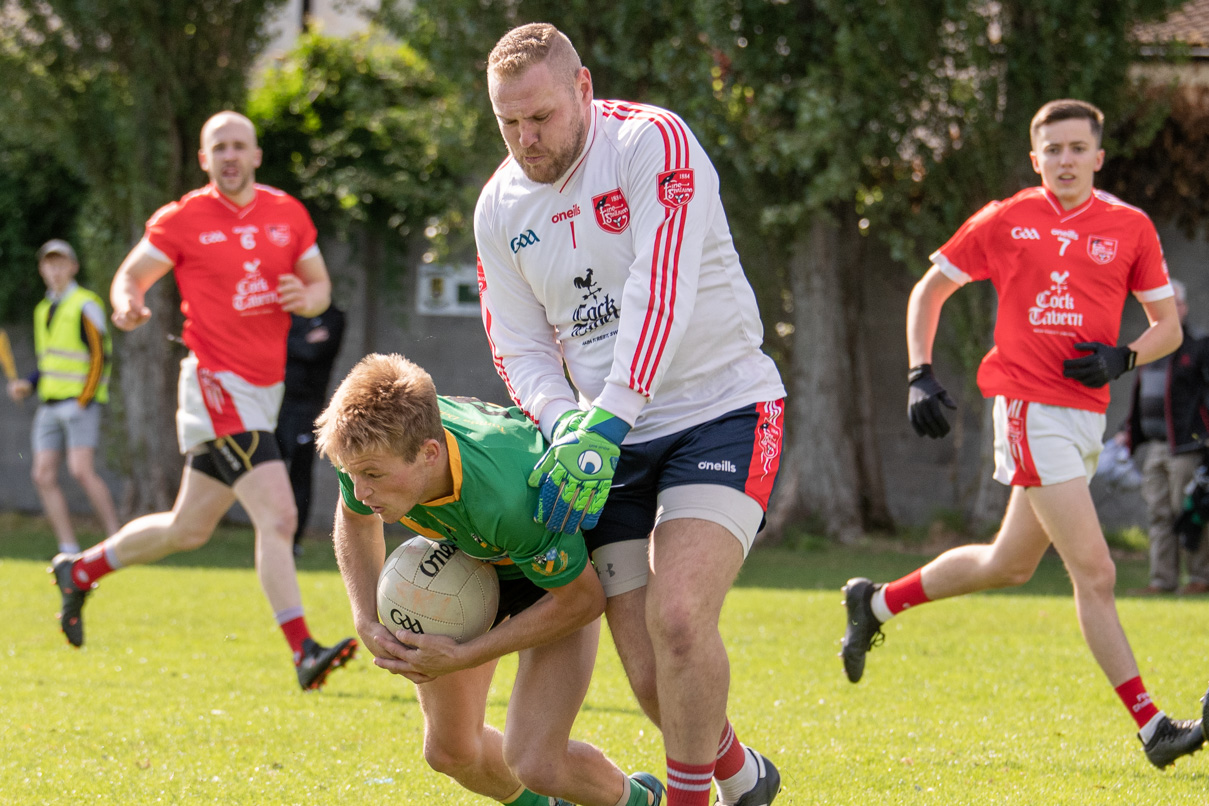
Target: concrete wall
[(920, 473)]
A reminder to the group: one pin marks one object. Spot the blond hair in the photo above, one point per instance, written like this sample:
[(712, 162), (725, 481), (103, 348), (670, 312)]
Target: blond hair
[(386, 404), (531, 44)]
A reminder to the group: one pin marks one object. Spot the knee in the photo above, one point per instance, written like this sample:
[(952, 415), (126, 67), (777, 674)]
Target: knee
[(280, 523), (1010, 576), (451, 758), (1097, 579), (674, 628), (536, 771), (45, 477), (189, 537), (82, 472)]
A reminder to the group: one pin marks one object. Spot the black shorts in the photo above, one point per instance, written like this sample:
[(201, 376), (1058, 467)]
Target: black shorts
[(227, 458), (515, 595)]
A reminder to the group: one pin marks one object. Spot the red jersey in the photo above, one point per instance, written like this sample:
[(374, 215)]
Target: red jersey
[(226, 260), (1062, 277)]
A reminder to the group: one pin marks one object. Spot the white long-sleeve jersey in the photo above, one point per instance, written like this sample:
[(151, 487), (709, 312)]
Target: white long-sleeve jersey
[(625, 270)]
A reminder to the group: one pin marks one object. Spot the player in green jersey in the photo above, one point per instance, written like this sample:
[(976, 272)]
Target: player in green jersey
[(456, 470)]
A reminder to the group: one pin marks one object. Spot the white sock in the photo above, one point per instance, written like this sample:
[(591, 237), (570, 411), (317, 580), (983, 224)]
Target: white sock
[(69, 548), (878, 603), (625, 792), (741, 782), (1150, 727)]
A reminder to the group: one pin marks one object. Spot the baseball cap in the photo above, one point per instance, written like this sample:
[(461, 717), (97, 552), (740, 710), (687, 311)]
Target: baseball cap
[(57, 246)]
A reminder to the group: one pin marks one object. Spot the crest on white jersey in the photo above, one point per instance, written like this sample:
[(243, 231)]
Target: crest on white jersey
[(676, 187), (612, 211)]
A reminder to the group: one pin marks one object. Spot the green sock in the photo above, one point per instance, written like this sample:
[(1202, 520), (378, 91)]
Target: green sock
[(639, 794), (530, 798)]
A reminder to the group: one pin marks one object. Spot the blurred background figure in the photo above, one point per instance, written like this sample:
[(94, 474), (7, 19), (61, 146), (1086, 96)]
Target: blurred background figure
[(73, 351), (1166, 431), (313, 345)]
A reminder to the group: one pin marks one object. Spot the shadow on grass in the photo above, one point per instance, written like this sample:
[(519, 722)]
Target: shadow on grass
[(808, 564)]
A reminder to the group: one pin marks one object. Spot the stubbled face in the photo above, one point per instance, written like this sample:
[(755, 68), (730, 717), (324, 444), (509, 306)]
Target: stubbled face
[(390, 485), (1067, 156), (230, 157), (543, 121), (57, 272)]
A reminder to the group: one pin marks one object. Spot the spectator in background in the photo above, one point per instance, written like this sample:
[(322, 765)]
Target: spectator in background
[(72, 380), (1166, 432), (311, 351)]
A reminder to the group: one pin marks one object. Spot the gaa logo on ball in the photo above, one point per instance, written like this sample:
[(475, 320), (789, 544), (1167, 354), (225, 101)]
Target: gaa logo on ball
[(590, 462)]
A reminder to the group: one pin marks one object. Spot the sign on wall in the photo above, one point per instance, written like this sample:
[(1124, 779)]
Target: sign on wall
[(444, 290)]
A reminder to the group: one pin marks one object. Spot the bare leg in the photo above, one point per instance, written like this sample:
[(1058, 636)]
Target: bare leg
[(1009, 561), (626, 613), (80, 463), (264, 491), (537, 742), (200, 504), (694, 563), (1069, 516), (45, 475), (457, 743)]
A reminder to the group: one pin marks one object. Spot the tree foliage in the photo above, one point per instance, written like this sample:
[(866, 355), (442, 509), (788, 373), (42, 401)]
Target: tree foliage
[(368, 134), (118, 90)]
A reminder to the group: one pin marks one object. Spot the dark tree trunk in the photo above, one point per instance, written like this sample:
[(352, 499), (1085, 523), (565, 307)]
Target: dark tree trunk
[(819, 470), (147, 369)]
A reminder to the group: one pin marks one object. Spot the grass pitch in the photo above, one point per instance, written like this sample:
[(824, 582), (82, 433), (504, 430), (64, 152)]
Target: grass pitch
[(184, 692)]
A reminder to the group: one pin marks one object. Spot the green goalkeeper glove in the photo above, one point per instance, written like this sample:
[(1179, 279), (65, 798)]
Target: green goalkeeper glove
[(576, 472)]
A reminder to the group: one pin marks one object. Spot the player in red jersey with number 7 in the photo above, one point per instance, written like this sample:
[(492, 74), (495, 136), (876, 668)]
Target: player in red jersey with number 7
[(1062, 257), (244, 257)]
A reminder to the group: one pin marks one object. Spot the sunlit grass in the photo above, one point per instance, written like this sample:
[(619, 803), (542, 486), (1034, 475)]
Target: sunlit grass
[(184, 692)]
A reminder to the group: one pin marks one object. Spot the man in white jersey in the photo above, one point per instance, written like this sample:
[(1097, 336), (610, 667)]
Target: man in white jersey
[(604, 250), (1063, 258)]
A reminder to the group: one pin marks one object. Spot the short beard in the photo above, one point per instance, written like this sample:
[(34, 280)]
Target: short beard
[(558, 162)]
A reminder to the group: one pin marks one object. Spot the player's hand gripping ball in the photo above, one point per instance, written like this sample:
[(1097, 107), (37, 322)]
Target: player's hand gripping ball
[(435, 589), (575, 474)]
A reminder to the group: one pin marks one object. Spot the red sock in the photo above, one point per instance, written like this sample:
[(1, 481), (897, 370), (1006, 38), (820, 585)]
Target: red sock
[(906, 592), (730, 755), (91, 566), (1137, 699), (688, 784), (295, 633)]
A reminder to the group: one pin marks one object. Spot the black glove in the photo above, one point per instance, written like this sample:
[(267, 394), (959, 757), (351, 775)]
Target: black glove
[(925, 396), (1103, 365)]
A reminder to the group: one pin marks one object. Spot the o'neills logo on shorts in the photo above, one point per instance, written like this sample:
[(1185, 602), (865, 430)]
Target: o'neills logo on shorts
[(612, 211), (676, 187)]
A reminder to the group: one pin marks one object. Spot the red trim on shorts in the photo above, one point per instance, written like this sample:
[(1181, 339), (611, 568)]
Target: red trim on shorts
[(1026, 474), (220, 406), (766, 452)]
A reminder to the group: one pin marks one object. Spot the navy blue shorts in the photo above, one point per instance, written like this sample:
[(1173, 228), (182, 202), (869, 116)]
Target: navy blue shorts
[(740, 449)]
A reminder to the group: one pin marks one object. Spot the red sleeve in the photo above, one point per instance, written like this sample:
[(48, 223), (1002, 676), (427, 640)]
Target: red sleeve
[(160, 231), (967, 249), (1149, 270)]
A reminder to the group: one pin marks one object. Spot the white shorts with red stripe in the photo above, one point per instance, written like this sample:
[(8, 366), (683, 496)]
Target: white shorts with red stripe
[(1037, 445), (217, 404)]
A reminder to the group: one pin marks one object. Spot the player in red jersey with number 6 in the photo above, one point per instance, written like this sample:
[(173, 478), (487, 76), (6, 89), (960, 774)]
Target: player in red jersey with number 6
[(1062, 257), (244, 257)]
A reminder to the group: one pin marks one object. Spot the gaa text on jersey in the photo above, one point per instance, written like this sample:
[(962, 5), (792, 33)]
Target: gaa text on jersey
[(207, 238), (526, 238)]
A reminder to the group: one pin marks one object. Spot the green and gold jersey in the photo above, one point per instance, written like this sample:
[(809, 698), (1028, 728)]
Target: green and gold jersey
[(490, 514)]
